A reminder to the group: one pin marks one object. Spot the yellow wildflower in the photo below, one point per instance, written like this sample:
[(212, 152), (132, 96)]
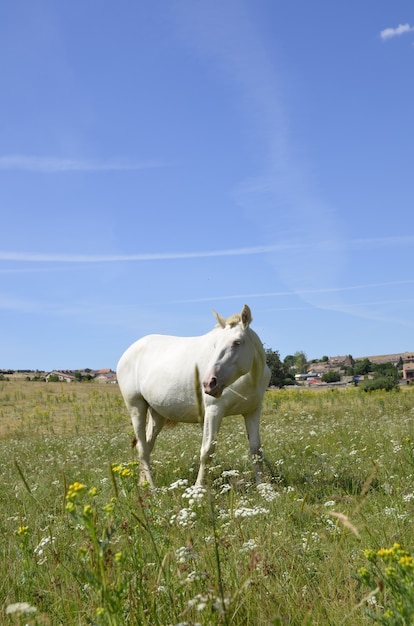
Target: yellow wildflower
[(406, 561), (370, 554), (87, 510), (74, 490)]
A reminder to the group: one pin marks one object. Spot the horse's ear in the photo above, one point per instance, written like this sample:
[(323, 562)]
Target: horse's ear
[(246, 316), (220, 320)]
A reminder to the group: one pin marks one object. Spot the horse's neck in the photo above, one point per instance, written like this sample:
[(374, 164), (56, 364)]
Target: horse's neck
[(259, 359)]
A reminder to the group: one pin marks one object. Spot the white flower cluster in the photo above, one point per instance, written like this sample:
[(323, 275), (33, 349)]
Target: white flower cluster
[(244, 511), (267, 492), (195, 576), (308, 538), (185, 553), (199, 601), (178, 484), (184, 518), (194, 495), (332, 526), (248, 546), (19, 608), (230, 473), (40, 549)]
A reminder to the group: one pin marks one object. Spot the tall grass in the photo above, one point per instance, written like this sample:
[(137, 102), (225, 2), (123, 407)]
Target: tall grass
[(82, 543)]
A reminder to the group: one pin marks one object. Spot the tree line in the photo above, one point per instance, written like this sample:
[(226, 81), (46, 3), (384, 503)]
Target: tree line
[(383, 375)]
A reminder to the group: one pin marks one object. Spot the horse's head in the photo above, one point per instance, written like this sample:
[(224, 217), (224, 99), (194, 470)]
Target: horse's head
[(233, 352)]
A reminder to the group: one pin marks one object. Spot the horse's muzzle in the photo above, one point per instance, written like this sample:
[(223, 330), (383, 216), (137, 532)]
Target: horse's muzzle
[(212, 387)]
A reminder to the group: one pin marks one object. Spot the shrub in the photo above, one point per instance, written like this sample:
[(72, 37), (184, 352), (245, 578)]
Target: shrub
[(331, 377), (387, 383)]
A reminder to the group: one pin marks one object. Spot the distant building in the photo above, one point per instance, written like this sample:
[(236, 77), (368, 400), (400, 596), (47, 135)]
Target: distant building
[(63, 376), (408, 371)]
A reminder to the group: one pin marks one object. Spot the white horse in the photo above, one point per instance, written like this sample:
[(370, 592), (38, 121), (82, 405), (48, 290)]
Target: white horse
[(159, 380)]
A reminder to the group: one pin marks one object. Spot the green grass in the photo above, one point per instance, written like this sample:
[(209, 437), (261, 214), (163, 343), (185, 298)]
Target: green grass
[(340, 482)]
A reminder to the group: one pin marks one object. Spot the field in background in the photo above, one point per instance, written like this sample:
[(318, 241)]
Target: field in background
[(80, 541)]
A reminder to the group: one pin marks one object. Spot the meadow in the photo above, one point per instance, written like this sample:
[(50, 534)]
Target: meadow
[(328, 540)]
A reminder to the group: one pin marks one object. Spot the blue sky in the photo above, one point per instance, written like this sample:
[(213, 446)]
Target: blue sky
[(161, 159)]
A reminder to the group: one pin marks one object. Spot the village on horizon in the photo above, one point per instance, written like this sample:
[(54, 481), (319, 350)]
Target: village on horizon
[(316, 368)]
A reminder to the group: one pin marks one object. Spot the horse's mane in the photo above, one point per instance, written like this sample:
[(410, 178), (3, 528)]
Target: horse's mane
[(259, 361), (233, 320)]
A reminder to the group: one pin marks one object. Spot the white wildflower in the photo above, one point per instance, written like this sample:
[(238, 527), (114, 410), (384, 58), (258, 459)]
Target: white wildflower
[(332, 527), (224, 489), (248, 512), (40, 548), (184, 518), (20, 607), (194, 495), (229, 473), (308, 538), (330, 503), (389, 510), (185, 553), (248, 546), (195, 576), (178, 484), (267, 492), (200, 602), (219, 606)]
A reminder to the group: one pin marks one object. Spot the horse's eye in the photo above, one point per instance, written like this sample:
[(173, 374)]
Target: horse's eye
[(236, 343)]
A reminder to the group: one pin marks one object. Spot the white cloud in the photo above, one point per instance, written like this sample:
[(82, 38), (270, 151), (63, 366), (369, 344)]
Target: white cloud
[(56, 164), (401, 29), (284, 246), (30, 257)]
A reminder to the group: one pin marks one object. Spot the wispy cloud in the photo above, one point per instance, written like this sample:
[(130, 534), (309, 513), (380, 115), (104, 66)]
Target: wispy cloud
[(56, 164), (303, 292), (401, 29), (282, 247), (29, 257)]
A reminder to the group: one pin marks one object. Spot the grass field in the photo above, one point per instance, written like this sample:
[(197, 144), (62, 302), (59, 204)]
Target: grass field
[(329, 540)]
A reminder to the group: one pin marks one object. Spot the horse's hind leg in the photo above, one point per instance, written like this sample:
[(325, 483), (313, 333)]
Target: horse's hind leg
[(155, 424), (138, 411), (252, 423)]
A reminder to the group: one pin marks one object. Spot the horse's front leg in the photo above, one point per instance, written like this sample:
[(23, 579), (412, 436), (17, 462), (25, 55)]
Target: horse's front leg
[(212, 421), (252, 422)]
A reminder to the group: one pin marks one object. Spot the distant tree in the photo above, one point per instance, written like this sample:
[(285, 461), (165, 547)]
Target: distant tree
[(325, 359), (280, 375), (331, 377), (301, 362), (78, 377), (53, 378), (289, 361), (386, 369), (362, 367)]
